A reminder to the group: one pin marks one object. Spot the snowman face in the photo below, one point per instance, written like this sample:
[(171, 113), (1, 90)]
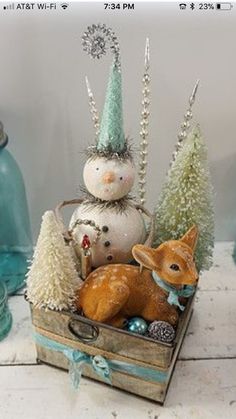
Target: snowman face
[(108, 179)]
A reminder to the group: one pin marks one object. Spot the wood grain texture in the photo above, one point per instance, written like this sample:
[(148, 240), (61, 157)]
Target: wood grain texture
[(151, 390), (18, 347), (135, 385), (114, 340), (199, 390), (91, 350), (52, 326), (212, 330), (223, 272)]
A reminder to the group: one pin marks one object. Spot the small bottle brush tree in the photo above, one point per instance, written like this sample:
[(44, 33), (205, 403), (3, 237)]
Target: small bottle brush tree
[(52, 279), (187, 199)]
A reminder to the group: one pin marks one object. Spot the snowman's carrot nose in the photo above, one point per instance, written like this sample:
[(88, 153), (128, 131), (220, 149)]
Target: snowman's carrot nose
[(108, 177)]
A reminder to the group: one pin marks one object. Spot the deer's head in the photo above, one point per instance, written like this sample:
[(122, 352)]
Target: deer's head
[(173, 260)]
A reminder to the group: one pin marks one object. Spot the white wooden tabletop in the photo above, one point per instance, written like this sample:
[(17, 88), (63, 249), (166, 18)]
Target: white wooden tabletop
[(203, 383)]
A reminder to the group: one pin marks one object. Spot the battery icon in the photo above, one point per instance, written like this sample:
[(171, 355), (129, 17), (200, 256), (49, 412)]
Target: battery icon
[(224, 6)]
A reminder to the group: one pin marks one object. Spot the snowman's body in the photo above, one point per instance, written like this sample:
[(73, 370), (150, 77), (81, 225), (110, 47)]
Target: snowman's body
[(120, 232), (109, 180)]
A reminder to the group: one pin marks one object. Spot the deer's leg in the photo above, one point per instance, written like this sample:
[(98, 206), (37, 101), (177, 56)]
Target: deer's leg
[(109, 306), (160, 311), (171, 315), (118, 321)]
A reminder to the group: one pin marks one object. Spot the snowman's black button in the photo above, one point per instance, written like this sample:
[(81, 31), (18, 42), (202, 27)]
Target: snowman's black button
[(107, 243), (109, 257), (105, 229)]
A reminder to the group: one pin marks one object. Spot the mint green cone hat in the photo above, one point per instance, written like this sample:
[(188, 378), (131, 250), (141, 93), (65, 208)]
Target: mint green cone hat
[(111, 139)]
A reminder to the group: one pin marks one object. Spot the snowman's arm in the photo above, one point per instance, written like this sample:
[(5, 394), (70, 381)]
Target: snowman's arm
[(59, 216), (150, 237)]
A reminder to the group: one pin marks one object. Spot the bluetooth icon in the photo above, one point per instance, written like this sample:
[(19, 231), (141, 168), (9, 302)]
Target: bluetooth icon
[(192, 6)]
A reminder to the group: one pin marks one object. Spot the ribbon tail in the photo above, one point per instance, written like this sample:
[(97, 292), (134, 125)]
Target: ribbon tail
[(182, 308), (75, 373), (174, 300)]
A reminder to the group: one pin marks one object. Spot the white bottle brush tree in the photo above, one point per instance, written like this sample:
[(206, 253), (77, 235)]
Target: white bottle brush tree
[(187, 199), (52, 279)]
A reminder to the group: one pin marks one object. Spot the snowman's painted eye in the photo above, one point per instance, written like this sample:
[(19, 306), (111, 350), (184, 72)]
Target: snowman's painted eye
[(97, 168), (121, 178)]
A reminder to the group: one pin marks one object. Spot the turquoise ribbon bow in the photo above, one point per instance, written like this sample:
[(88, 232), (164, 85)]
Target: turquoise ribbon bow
[(76, 360), (174, 294), (101, 366)]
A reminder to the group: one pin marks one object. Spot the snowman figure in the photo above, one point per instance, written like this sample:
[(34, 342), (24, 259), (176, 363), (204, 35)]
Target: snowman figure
[(109, 174)]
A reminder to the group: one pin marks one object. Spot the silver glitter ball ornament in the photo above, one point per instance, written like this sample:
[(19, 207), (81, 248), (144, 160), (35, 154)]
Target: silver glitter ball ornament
[(137, 325), (146, 78), (188, 115), (162, 331)]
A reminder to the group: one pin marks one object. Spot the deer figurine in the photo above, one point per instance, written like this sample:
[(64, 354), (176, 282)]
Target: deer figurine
[(113, 293)]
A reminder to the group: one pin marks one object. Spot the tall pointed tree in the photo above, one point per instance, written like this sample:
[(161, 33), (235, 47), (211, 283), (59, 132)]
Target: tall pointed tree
[(187, 199), (52, 279)]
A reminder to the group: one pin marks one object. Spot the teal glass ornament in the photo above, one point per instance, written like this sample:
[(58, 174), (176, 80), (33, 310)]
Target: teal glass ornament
[(137, 325), (5, 314), (15, 232)]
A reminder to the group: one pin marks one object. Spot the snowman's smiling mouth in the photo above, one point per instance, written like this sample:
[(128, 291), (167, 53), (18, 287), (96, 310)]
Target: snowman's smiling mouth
[(107, 188), (109, 191)]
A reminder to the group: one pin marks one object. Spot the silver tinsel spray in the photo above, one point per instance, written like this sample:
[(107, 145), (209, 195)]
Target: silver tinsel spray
[(144, 127), (93, 109), (185, 126), (96, 41)]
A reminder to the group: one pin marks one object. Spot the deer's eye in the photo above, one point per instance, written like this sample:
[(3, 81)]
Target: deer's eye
[(174, 267)]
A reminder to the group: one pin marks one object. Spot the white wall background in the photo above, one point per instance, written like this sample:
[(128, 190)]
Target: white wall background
[(43, 100)]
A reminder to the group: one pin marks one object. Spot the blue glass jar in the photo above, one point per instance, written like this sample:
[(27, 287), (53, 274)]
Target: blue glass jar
[(5, 314), (15, 232)]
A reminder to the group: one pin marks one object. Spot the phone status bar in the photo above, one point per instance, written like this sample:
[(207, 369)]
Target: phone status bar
[(63, 6)]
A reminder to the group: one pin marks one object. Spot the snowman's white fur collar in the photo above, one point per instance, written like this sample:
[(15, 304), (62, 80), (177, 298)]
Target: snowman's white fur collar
[(119, 205)]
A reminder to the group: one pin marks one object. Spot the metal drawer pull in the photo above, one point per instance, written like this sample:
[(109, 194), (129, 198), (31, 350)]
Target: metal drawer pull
[(88, 335)]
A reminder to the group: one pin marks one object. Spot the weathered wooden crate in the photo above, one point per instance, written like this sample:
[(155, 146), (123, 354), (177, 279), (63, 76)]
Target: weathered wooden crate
[(113, 344)]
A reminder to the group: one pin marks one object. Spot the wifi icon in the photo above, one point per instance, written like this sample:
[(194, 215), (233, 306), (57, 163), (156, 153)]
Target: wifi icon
[(64, 6)]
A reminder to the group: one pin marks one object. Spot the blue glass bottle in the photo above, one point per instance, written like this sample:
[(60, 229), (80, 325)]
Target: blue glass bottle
[(15, 231), (5, 314)]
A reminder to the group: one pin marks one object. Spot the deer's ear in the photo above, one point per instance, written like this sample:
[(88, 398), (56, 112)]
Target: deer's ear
[(190, 238), (145, 256)]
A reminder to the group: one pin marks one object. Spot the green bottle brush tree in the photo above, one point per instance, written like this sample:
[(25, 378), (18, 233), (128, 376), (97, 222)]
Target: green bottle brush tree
[(187, 198)]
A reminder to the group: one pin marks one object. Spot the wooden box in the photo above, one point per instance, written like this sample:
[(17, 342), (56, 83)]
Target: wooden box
[(153, 361)]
